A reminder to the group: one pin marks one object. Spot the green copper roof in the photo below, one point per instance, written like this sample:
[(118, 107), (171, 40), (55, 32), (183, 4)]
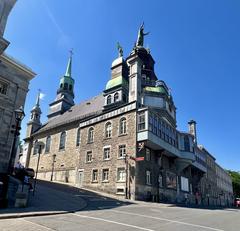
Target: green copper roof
[(116, 82), (158, 89), (69, 67)]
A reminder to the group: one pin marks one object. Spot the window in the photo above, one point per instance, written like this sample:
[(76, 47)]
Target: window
[(122, 151), (148, 177), (148, 154), (70, 87), (105, 175), (150, 123), (121, 174), (65, 86), (124, 98), (123, 126), (141, 121), (106, 153), (90, 134), (108, 130), (95, 175), (78, 137), (186, 144), (62, 140), (1, 114), (160, 180), (116, 97), (3, 88), (109, 99), (89, 156), (48, 144), (35, 149)]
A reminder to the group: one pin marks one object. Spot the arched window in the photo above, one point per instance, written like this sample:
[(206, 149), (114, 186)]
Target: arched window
[(78, 137), (70, 87), (62, 140), (65, 86), (116, 97), (90, 135), (109, 99), (108, 130), (123, 126), (186, 144), (48, 144)]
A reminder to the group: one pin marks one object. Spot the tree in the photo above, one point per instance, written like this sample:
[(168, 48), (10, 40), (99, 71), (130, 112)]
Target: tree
[(236, 182)]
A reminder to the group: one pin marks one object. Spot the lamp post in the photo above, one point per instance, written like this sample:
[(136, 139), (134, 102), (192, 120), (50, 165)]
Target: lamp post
[(39, 145), (54, 160), (19, 115)]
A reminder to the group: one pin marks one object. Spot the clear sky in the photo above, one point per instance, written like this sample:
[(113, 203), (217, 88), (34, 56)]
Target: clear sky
[(196, 46)]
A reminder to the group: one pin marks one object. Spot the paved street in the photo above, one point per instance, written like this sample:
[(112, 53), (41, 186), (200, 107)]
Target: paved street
[(102, 213)]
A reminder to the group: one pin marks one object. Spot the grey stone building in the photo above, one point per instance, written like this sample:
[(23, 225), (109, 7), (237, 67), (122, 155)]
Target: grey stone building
[(14, 81), (124, 141)]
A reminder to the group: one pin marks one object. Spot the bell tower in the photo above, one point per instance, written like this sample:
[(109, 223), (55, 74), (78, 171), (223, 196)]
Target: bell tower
[(34, 123), (65, 93)]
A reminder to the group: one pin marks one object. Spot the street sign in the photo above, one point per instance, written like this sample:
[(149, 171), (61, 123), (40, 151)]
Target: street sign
[(139, 158)]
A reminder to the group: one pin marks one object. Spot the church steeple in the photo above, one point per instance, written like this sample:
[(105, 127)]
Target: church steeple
[(65, 93), (34, 123)]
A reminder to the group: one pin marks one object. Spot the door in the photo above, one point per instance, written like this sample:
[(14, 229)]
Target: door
[(80, 178)]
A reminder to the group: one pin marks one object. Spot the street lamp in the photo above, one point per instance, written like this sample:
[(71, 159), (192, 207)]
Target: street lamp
[(19, 115), (39, 145), (54, 160)]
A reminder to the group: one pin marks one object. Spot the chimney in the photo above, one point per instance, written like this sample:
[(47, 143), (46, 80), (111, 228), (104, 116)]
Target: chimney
[(193, 130)]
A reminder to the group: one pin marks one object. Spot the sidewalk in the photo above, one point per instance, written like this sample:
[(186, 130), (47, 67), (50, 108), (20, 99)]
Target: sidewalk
[(47, 201)]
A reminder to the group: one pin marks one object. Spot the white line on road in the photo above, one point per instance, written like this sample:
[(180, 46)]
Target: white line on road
[(42, 226), (114, 222), (172, 221)]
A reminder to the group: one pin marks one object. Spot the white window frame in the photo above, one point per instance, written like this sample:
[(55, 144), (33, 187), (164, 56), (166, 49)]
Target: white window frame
[(121, 174), (148, 177), (87, 156), (109, 153), (120, 148), (103, 175)]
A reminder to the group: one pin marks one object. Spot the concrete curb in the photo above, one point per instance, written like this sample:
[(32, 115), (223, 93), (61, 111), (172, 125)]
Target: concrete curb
[(37, 213)]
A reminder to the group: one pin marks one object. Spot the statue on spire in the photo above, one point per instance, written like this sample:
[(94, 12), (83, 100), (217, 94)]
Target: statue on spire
[(120, 50), (141, 34)]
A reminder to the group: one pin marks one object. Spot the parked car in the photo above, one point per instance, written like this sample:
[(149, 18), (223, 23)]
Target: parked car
[(237, 202)]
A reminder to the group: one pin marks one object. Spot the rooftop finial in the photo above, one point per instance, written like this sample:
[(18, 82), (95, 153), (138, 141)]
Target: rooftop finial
[(141, 34), (69, 66), (120, 50)]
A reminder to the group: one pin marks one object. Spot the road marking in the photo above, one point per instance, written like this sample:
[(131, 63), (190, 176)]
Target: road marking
[(164, 219), (42, 226), (114, 222)]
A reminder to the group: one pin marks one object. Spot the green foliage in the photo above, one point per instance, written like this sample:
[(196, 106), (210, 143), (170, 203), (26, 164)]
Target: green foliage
[(236, 182)]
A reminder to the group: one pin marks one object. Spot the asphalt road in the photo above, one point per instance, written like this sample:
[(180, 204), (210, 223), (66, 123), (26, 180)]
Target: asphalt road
[(103, 214)]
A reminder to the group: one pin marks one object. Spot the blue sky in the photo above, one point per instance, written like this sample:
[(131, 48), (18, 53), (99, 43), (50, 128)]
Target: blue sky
[(196, 46)]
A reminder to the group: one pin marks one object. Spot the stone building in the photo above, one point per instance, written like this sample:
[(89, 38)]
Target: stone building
[(14, 81), (123, 141)]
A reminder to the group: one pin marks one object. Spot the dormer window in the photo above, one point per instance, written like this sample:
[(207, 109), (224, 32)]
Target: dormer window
[(109, 99), (116, 97)]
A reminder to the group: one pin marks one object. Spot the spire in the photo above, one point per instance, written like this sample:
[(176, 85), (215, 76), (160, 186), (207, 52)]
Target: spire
[(69, 66), (38, 98)]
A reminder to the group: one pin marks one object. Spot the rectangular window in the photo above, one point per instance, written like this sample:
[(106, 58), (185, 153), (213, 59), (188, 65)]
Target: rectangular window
[(148, 177), (148, 154), (121, 174), (3, 87), (89, 156), (95, 175), (150, 122), (105, 175), (141, 121), (122, 151), (106, 153), (155, 121)]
